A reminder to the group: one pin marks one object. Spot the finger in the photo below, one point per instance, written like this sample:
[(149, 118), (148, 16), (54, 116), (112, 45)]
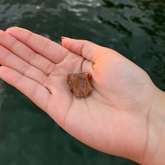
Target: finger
[(49, 49), (9, 59), (25, 53), (36, 92), (87, 49)]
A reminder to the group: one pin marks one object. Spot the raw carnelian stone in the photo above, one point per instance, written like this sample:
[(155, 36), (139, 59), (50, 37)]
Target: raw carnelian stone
[(80, 84)]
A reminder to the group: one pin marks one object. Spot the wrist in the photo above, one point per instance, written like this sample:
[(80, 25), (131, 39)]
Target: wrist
[(155, 145)]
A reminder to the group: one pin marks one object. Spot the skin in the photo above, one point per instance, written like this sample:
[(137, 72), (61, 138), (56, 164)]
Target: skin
[(123, 116)]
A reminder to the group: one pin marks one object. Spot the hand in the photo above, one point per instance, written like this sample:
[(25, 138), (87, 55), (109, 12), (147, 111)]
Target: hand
[(113, 119)]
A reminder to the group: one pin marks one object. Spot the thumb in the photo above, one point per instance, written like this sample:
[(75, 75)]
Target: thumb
[(86, 49)]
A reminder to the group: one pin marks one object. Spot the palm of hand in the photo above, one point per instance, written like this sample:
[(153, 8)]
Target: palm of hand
[(112, 110), (109, 116)]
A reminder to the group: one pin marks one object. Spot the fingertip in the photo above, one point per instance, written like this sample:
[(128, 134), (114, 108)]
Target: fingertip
[(14, 29), (65, 41), (8, 29), (63, 37), (1, 31)]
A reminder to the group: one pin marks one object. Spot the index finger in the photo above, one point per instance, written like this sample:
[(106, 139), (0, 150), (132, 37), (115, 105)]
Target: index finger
[(44, 46)]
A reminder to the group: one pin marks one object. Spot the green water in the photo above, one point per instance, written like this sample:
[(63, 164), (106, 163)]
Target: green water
[(134, 28)]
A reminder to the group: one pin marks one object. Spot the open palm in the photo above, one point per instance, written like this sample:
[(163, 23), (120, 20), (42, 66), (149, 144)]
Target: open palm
[(113, 119)]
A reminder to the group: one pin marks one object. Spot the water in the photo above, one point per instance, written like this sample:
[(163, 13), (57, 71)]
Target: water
[(134, 28)]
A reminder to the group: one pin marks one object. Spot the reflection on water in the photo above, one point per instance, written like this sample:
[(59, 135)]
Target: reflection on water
[(134, 28)]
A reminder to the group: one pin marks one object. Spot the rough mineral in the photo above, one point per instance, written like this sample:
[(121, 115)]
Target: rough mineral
[(80, 84)]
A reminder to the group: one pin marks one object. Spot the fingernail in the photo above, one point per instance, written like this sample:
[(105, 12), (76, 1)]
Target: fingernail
[(7, 29), (62, 37)]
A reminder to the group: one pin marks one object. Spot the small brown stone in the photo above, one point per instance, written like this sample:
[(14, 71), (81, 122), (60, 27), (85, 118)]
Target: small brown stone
[(80, 84)]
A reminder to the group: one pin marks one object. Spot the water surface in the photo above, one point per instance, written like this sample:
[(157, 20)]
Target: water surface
[(134, 28)]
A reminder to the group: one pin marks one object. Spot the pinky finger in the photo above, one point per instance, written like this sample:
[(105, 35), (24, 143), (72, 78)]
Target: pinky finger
[(33, 90)]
